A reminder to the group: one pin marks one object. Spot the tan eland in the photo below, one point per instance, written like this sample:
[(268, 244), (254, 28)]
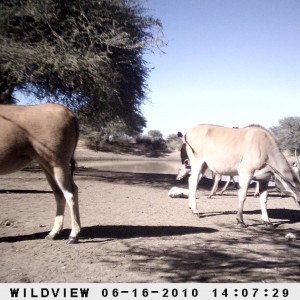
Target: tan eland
[(250, 152), (48, 134), (185, 171)]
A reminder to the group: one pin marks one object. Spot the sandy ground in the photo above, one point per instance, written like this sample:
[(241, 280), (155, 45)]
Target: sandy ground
[(133, 232)]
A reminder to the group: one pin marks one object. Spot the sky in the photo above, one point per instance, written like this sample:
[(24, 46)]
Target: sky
[(228, 62)]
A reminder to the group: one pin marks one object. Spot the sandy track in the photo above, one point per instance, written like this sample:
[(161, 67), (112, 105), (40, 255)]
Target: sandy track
[(132, 232)]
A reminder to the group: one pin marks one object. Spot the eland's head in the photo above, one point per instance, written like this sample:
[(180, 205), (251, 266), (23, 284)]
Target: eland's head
[(184, 170)]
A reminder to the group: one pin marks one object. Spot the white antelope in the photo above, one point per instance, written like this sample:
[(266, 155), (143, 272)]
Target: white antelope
[(47, 133), (250, 153)]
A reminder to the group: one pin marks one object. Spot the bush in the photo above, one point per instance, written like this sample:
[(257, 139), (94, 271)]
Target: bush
[(173, 142)]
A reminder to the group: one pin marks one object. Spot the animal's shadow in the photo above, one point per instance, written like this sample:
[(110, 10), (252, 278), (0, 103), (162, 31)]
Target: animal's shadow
[(109, 232), (18, 191)]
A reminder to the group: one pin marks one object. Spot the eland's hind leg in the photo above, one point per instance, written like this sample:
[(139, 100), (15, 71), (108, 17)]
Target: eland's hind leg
[(226, 185), (64, 180), (60, 207), (263, 192), (242, 194), (213, 191)]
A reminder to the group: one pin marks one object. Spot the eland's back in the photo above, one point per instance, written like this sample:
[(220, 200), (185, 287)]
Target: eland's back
[(226, 150), (39, 132)]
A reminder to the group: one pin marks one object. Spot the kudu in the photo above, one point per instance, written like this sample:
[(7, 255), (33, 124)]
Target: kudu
[(48, 134), (250, 152)]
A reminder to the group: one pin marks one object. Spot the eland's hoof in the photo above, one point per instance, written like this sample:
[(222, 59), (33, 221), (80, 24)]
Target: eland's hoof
[(241, 224), (49, 237), (196, 214), (72, 240), (269, 224)]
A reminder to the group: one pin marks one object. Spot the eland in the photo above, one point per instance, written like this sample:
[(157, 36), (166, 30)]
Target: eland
[(250, 152), (185, 171), (48, 134)]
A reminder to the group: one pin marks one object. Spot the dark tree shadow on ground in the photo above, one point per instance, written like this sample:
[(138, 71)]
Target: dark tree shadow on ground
[(255, 256), (163, 181), (145, 179), (154, 150)]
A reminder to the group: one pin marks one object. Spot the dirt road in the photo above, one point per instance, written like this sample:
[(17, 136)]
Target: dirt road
[(133, 232)]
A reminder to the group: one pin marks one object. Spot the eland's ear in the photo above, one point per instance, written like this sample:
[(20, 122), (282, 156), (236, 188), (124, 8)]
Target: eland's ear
[(179, 134)]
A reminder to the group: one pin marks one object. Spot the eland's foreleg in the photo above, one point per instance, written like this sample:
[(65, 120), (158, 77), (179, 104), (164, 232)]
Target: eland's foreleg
[(198, 170)]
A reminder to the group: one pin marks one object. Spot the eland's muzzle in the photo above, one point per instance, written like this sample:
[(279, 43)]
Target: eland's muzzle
[(184, 171)]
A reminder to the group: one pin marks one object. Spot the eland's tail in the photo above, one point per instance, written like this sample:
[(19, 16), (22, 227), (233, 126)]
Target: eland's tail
[(73, 161)]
